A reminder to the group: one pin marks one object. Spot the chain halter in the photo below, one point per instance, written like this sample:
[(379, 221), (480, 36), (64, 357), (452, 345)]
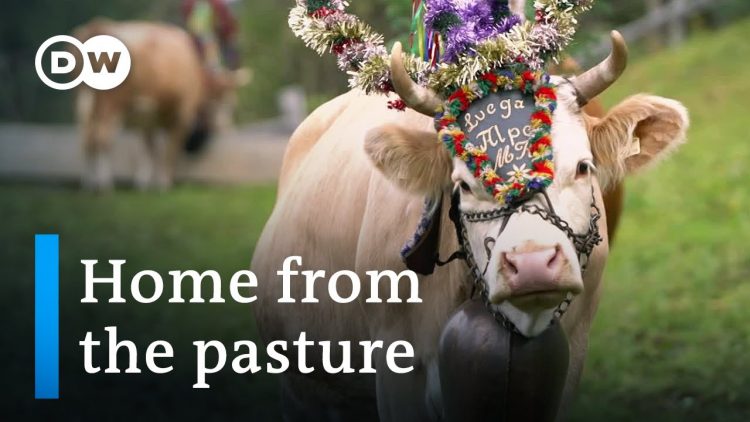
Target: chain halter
[(584, 243)]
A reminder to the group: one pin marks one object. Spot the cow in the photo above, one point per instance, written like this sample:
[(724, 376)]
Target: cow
[(354, 179), (168, 88)]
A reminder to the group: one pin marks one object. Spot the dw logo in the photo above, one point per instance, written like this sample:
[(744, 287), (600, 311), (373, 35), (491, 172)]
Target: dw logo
[(106, 62)]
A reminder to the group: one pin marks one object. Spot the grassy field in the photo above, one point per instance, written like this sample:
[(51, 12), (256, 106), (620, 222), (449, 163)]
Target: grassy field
[(188, 228), (670, 341), (671, 338)]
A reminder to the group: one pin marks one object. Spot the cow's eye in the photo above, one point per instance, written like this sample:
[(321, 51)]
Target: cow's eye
[(585, 168), (465, 187)]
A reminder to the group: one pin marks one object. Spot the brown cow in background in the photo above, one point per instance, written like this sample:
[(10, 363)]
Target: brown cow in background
[(168, 88)]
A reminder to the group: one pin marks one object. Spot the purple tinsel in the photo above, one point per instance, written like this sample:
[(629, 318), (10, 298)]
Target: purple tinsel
[(471, 23), (507, 23)]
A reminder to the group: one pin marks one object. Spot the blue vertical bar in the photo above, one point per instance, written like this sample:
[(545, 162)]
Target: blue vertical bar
[(46, 317)]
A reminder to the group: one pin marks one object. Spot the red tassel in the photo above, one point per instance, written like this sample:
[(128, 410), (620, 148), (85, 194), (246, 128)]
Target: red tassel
[(543, 117), (323, 12), (546, 92), (435, 49), (399, 105)]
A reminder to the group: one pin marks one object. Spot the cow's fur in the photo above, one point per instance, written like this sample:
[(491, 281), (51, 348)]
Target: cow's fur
[(405, 153), (650, 123)]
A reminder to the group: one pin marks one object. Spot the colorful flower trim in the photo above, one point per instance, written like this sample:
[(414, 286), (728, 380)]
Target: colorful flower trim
[(480, 37), (520, 181)]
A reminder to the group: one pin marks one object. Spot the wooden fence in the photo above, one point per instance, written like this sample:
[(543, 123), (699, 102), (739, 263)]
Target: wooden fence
[(670, 19)]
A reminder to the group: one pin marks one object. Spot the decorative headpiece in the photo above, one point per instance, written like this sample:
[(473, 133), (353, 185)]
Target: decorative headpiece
[(480, 36), (489, 93)]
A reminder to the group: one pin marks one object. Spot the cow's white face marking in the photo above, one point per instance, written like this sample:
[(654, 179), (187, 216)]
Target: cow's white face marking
[(516, 285)]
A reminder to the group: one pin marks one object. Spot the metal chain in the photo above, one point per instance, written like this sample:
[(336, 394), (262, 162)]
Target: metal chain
[(583, 243), (479, 282)]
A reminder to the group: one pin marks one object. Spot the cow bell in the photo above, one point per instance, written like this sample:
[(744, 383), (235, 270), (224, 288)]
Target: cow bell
[(490, 373)]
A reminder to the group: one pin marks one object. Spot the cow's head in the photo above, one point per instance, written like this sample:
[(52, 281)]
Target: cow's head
[(217, 111), (222, 87), (529, 264)]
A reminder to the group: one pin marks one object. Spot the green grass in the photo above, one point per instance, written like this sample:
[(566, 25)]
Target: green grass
[(671, 338), (188, 228), (670, 341)]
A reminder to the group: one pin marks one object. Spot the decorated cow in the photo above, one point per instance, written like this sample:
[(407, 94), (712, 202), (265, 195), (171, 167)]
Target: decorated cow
[(468, 163)]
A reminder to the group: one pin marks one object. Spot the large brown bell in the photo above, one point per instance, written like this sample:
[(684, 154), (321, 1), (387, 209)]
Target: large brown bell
[(489, 373)]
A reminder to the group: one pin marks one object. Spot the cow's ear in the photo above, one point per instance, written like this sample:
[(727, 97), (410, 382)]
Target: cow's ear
[(412, 159), (638, 132)]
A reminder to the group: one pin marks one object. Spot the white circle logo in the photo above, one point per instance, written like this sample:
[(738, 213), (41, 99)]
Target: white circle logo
[(106, 62)]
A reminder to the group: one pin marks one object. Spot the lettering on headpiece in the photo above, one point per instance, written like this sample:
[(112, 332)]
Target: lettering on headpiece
[(499, 124)]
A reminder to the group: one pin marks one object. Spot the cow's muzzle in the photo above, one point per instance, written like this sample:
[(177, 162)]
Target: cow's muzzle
[(536, 277)]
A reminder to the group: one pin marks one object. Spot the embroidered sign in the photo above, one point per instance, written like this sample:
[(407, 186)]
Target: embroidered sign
[(500, 126)]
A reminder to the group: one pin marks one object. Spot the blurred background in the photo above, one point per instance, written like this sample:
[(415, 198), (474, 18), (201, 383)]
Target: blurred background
[(671, 338)]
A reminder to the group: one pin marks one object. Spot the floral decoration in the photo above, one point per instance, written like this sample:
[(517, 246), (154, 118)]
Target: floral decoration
[(480, 36), (508, 188)]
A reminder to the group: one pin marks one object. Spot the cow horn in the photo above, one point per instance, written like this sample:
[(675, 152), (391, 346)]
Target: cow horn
[(600, 77), (415, 96)]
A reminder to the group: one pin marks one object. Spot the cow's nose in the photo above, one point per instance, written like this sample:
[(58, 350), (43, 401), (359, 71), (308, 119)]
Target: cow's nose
[(534, 272)]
